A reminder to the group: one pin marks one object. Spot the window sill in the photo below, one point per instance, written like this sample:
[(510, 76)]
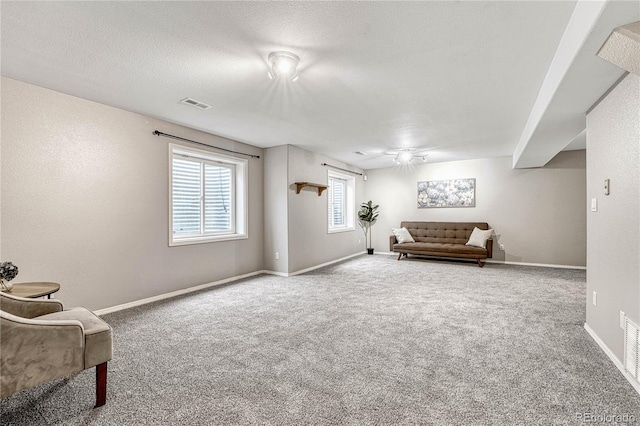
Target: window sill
[(338, 230), (207, 239)]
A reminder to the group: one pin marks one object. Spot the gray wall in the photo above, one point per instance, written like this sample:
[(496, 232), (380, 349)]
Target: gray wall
[(309, 242), (296, 224), (276, 208), (613, 255), (85, 201), (538, 214)]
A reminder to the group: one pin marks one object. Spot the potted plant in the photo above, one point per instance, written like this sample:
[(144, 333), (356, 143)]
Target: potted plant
[(367, 216)]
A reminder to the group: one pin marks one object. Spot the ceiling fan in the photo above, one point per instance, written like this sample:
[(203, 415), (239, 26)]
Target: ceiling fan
[(408, 155), (402, 155)]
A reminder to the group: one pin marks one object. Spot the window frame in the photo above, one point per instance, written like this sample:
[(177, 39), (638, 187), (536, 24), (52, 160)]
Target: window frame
[(239, 196), (349, 202)]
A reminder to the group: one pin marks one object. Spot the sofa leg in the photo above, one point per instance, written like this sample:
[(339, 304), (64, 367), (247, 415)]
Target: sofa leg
[(101, 384), (480, 264), (399, 256)]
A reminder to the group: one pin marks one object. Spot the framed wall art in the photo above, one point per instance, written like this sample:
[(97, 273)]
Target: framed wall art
[(447, 193)]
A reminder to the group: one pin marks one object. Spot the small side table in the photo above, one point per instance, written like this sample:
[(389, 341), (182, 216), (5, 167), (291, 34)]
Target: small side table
[(34, 289)]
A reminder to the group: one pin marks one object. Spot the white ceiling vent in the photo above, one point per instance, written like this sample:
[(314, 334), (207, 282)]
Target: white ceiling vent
[(195, 103)]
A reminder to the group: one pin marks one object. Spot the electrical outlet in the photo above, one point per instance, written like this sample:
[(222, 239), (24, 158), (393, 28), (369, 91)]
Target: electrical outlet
[(595, 299), (502, 247), (622, 319), (277, 255)]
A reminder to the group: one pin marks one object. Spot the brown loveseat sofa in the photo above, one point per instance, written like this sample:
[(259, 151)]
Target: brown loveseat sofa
[(443, 239)]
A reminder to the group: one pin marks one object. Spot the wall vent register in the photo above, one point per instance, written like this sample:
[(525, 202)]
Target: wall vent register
[(632, 349)]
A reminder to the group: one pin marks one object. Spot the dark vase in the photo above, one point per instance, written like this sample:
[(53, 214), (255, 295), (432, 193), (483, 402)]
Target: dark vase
[(369, 251)]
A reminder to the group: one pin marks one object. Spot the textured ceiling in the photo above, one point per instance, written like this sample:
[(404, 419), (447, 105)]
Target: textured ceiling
[(456, 79)]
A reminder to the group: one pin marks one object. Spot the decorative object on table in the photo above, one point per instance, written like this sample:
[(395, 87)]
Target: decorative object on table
[(367, 216), (8, 271), (447, 193)]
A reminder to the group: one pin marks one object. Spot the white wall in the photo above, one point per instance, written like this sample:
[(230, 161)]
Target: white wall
[(613, 255), (85, 201), (538, 214)]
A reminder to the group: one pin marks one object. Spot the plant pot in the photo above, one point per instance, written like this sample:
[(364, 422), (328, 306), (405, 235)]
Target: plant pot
[(369, 251), (6, 286)]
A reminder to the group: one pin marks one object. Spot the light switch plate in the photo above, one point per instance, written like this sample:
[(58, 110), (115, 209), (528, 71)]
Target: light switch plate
[(594, 204)]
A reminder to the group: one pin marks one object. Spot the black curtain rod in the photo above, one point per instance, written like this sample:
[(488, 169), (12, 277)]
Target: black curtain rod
[(166, 135), (340, 168)]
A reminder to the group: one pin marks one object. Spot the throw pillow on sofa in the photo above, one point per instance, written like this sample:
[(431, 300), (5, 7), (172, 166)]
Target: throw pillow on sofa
[(402, 235), (479, 237)]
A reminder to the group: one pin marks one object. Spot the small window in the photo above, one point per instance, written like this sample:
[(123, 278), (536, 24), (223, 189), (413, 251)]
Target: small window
[(208, 197), (340, 200)]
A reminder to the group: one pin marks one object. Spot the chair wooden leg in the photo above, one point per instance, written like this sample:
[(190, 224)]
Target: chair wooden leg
[(101, 384), (480, 264)]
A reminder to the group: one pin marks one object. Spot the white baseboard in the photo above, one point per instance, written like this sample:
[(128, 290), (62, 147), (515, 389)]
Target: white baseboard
[(541, 265), (612, 357), (280, 274), (174, 293), (505, 262), (213, 284), (322, 265)]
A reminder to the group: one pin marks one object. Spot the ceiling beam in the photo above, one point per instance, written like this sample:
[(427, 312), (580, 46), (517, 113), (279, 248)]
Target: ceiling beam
[(542, 140)]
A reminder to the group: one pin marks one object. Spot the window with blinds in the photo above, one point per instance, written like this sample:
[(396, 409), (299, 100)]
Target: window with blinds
[(336, 202), (204, 197), (340, 202)]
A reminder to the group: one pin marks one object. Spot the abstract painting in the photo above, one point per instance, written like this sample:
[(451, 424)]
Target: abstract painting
[(447, 193)]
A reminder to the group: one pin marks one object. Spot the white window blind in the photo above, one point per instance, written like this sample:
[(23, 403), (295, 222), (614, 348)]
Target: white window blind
[(186, 197), (218, 203), (336, 202)]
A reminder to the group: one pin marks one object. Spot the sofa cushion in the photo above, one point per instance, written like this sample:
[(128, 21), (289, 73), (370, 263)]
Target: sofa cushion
[(479, 238), (402, 235), (444, 248)]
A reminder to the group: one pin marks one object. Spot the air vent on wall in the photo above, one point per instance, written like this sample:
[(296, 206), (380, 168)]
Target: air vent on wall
[(632, 349), (195, 103)]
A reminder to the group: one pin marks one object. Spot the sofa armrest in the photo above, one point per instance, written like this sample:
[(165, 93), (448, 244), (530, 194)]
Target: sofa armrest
[(490, 247), (28, 308), (392, 240)]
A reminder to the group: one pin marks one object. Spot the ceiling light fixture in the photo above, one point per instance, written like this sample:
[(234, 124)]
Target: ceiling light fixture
[(404, 157), (283, 63), (407, 156)]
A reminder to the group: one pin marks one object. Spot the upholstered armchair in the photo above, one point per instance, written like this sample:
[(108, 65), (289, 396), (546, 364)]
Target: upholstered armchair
[(40, 341)]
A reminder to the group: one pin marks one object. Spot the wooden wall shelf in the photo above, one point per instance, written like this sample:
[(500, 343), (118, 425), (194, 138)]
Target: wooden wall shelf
[(320, 187)]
